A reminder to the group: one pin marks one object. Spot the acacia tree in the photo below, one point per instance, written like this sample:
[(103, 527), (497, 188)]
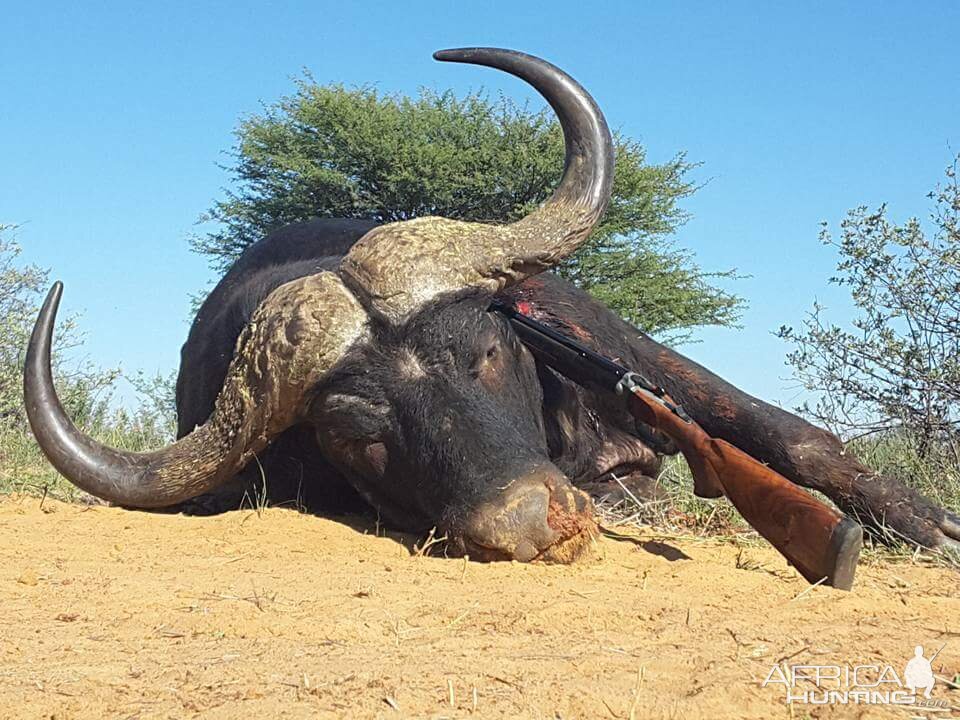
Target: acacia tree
[(898, 366), (330, 151)]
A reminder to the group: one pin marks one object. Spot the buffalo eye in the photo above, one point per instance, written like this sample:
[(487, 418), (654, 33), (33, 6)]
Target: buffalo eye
[(375, 454), (487, 366)]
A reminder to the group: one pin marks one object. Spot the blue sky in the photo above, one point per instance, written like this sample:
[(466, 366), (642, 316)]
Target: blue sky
[(114, 118)]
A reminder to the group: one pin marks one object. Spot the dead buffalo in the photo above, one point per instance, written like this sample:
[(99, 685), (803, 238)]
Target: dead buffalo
[(348, 363)]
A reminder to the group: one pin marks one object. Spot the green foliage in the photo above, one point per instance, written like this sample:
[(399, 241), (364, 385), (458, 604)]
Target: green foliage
[(157, 411), (16, 285), (891, 380), (21, 290), (329, 151), (898, 368), (654, 285), (84, 390)]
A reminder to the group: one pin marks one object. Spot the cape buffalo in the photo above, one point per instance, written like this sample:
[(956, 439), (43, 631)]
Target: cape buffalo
[(345, 362)]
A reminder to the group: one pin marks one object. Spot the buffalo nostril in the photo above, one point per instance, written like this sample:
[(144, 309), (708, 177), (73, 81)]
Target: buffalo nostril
[(531, 516), (515, 524), (564, 498), (525, 551)]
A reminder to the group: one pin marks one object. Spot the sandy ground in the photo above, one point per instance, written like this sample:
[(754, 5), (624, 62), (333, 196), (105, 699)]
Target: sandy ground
[(109, 613)]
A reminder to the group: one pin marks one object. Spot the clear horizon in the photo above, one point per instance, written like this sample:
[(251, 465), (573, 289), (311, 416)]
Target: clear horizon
[(115, 119)]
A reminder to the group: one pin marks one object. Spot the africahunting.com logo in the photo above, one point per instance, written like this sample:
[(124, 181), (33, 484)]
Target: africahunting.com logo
[(862, 684)]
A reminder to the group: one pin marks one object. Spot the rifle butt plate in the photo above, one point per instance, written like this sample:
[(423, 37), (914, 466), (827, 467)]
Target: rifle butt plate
[(845, 543)]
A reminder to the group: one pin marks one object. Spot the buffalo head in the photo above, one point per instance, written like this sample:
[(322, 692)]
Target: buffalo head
[(425, 401)]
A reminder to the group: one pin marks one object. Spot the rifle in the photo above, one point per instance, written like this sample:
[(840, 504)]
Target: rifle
[(820, 542)]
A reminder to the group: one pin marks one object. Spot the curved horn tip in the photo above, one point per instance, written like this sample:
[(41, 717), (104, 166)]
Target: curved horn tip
[(55, 293), (394, 278), (43, 327), (450, 54), (472, 54)]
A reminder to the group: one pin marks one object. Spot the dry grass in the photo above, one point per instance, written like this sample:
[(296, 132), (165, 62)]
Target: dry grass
[(24, 470), (935, 473), (684, 515)]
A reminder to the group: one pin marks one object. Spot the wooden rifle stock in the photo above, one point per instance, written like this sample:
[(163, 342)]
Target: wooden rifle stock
[(819, 541)]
